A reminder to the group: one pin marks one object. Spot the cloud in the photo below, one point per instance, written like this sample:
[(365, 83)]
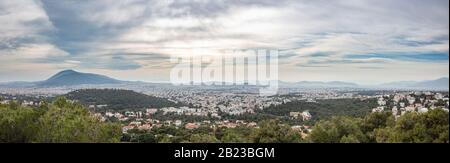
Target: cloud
[(24, 29), (417, 57), (137, 35), (25, 44)]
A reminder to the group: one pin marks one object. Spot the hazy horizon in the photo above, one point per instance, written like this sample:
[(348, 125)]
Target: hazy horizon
[(167, 81), (360, 41)]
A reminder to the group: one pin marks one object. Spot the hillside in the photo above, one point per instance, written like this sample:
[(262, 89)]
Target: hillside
[(324, 109), (118, 100), (70, 78)]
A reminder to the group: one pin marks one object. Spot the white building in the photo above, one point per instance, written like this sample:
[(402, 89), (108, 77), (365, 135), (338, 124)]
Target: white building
[(422, 110)]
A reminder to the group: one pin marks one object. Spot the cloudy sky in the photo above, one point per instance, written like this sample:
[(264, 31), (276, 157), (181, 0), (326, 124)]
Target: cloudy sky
[(363, 41)]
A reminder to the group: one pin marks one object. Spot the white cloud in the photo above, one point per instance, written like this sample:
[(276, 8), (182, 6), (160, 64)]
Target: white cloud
[(24, 45), (21, 18), (154, 28)]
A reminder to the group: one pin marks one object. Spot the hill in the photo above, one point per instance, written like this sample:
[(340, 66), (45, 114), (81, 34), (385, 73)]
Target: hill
[(323, 109), (118, 100), (71, 77)]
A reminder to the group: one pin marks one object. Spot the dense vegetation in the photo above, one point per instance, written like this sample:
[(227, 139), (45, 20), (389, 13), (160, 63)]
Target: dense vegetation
[(64, 121), (323, 109), (430, 127), (117, 99), (59, 122), (270, 131)]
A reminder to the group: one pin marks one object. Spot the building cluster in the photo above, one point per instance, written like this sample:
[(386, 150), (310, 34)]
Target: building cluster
[(421, 102), (305, 115), (142, 120)]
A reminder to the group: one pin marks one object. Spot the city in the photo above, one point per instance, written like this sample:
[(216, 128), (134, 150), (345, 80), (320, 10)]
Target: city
[(227, 107), (224, 71)]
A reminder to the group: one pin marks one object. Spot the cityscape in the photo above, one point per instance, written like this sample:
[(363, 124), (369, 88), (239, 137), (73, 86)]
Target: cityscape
[(215, 71), (212, 108)]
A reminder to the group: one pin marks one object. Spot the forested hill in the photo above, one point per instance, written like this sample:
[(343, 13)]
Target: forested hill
[(117, 99), (323, 109)]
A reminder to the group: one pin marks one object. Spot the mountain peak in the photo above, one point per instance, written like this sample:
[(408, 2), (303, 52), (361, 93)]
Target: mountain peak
[(71, 77), (63, 73), (68, 71)]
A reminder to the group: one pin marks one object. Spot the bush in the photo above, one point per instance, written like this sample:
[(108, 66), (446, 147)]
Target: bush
[(60, 122)]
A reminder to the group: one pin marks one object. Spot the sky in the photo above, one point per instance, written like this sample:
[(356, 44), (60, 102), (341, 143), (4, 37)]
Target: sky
[(361, 41)]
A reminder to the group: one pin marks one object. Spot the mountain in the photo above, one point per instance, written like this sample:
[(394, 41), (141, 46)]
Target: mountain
[(317, 84), (74, 78), (438, 84), (71, 77)]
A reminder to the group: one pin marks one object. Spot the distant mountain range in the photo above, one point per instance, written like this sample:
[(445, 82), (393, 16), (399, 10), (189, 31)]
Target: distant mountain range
[(442, 83), (317, 84), (74, 78)]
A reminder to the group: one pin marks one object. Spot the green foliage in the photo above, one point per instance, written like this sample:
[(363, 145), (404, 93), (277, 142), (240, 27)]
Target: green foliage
[(203, 138), (273, 132), (63, 121), (60, 122), (268, 132), (324, 109), (117, 99), (430, 127), (336, 130), (236, 135), (17, 124), (374, 121)]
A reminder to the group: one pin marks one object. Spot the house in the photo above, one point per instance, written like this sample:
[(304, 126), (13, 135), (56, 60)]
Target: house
[(297, 128), (191, 126), (126, 128), (422, 110), (135, 123), (381, 102), (306, 116), (178, 123), (410, 109), (109, 114), (394, 110), (378, 109), (151, 111), (145, 127), (251, 124), (294, 115), (230, 125)]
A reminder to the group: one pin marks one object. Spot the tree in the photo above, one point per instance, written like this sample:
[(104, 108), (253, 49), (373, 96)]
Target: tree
[(349, 139), (430, 127), (146, 138), (274, 132), (17, 124), (61, 121), (203, 138), (338, 129), (374, 121), (232, 136), (68, 122)]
